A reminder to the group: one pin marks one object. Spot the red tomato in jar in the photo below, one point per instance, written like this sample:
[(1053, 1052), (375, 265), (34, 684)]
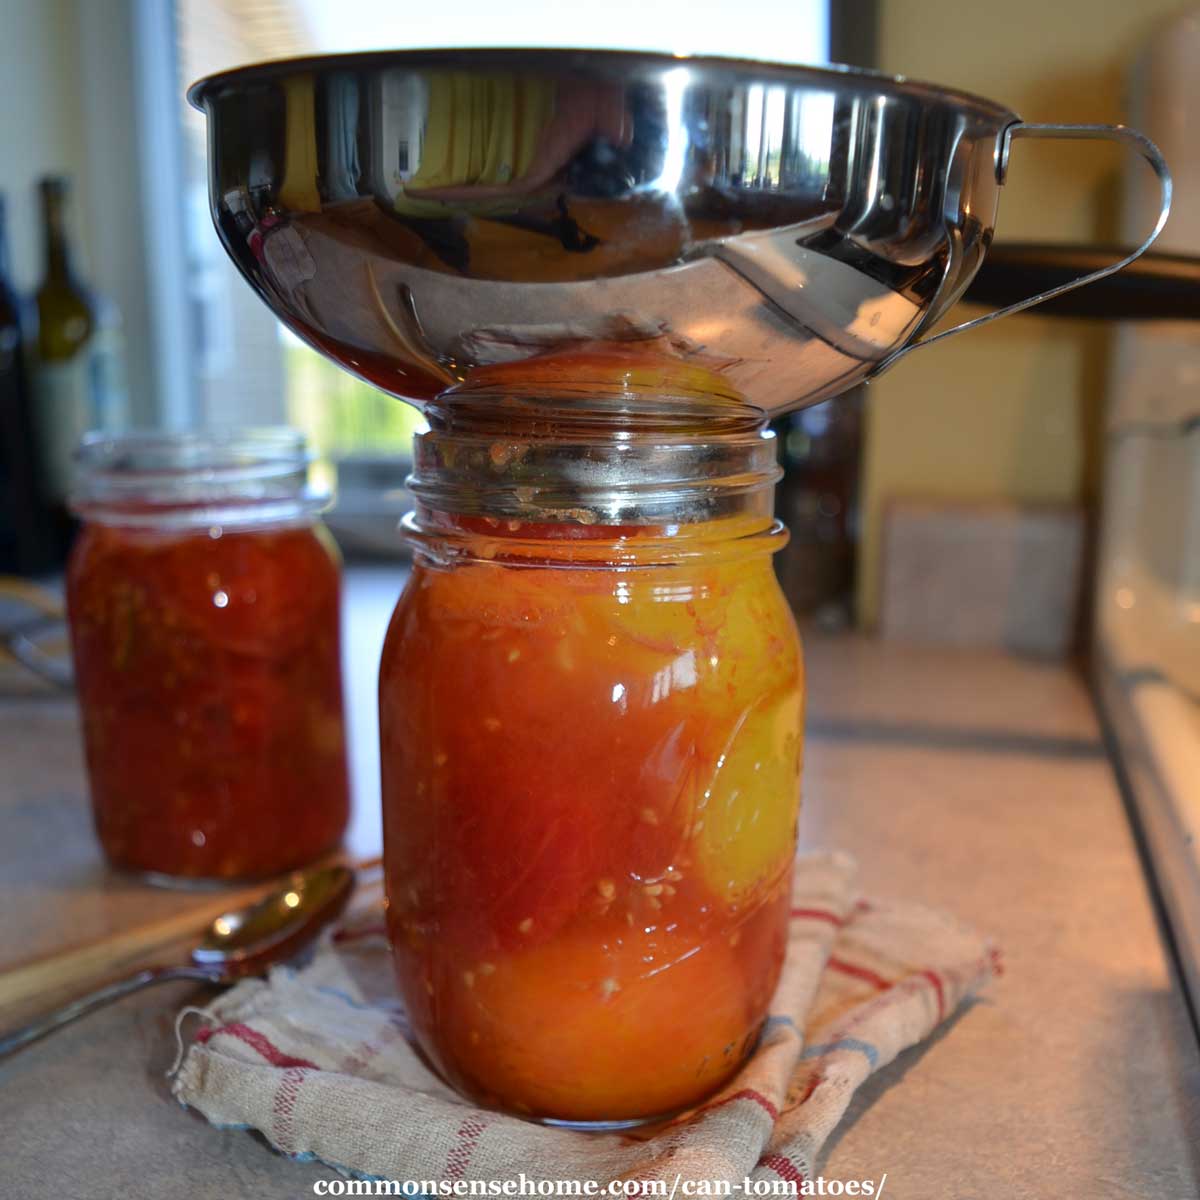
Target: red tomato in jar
[(251, 593), (534, 782)]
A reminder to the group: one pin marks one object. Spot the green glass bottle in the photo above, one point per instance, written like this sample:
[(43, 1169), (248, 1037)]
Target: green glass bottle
[(27, 544), (66, 323)]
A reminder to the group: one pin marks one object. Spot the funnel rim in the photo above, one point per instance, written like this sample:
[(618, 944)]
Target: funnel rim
[(833, 73)]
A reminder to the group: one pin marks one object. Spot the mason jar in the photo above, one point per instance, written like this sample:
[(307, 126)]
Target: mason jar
[(591, 699), (203, 594)]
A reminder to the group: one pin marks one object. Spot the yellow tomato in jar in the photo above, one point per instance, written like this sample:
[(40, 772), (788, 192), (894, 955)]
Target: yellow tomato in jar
[(600, 1023)]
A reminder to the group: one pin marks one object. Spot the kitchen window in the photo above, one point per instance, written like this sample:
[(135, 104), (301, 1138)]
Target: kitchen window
[(246, 367)]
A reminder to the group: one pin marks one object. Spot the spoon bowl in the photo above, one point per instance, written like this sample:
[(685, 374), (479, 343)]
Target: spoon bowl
[(242, 942)]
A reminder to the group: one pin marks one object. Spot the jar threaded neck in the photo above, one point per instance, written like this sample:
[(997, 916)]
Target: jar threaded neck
[(594, 459), (186, 480)]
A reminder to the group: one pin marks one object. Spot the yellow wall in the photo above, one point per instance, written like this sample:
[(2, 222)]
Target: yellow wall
[(1012, 410)]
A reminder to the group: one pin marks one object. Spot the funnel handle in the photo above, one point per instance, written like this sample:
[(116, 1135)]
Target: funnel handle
[(1114, 133)]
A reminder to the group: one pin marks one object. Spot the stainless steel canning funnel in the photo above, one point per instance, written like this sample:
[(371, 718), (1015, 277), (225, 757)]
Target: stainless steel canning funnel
[(416, 214)]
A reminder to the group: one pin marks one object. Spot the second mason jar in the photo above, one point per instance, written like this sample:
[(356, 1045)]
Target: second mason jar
[(591, 702), (203, 595)]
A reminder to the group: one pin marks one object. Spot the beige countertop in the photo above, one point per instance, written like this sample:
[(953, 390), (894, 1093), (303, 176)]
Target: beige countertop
[(966, 780)]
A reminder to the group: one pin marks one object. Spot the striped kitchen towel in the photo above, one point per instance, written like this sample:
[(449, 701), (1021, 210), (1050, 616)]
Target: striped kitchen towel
[(319, 1060)]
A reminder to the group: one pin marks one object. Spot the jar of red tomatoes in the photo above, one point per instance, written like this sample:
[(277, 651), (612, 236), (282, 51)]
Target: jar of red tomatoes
[(203, 596), (591, 701)]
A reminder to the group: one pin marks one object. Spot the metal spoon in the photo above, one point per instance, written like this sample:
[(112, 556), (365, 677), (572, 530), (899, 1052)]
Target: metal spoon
[(239, 943)]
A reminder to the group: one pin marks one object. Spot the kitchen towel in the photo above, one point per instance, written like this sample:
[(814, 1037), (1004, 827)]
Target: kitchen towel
[(319, 1060)]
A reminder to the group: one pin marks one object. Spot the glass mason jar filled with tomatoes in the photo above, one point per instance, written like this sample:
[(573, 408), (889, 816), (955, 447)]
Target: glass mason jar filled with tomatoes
[(591, 702), (203, 594)]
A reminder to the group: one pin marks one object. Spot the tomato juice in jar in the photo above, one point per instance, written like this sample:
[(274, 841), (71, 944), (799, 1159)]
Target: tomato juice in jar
[(591, 703), (204, 595)]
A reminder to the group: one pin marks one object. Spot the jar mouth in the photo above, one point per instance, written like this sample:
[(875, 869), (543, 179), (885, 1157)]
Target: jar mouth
[(602, 387), (593, 459), (196, 478), (584, 413)]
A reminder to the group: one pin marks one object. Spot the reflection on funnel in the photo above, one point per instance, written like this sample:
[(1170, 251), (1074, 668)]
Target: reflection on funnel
[(674, 88)]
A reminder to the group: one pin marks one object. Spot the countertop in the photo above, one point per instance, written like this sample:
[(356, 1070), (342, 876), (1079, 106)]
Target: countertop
[(967, 780)]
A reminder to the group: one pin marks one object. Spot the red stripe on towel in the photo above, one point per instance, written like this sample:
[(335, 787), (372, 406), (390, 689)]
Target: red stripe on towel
[(755, 1098), (264, 1046), (784, 1168), (817, 914), (466, 1139), (864, 973), (936, 983), (743, 1094), (283, 1107)]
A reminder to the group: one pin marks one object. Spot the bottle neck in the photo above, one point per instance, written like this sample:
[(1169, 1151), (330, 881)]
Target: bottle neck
[(55, 242), (5, 260), (10, 310)]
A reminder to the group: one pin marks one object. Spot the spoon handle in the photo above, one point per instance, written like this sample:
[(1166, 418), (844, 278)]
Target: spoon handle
[(22, 1036)]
